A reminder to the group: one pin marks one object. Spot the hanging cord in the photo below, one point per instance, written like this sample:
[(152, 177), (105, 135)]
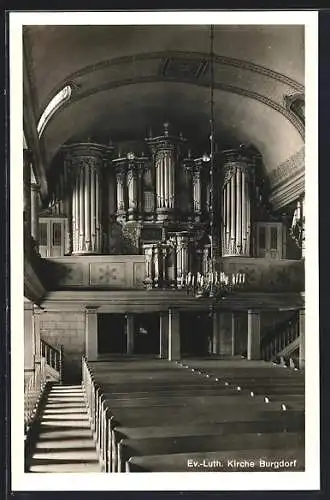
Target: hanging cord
[(212, 131)]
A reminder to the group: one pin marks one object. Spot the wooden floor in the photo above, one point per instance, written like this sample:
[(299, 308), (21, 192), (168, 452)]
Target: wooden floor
[(203, 414)]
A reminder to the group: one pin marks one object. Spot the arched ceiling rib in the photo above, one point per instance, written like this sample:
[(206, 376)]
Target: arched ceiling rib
[(238, 119), (120, 88)]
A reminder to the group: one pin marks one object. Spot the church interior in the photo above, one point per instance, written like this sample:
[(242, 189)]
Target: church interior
[(164, 214)]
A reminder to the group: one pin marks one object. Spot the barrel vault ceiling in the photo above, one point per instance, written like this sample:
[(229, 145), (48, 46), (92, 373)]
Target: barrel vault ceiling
[(128, 79)]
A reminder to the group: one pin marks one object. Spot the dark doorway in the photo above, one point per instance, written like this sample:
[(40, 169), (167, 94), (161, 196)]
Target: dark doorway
[(111, 334), (146, 333), (195, 333)]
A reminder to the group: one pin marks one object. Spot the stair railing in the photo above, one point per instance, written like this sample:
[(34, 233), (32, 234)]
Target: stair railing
[(33, 390), (279, 338), (99, 418), (53, 357)]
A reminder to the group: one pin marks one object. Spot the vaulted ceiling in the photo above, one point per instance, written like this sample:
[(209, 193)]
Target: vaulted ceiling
[(128, 79)]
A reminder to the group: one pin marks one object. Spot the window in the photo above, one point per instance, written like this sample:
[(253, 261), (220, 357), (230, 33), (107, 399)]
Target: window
[(43, 233), (57, 234), (61, 98)]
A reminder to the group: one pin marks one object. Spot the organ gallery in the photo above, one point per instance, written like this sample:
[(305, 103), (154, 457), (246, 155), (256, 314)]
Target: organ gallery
[(156, 199)]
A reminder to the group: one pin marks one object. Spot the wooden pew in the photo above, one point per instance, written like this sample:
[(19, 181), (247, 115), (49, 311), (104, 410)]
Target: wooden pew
[(281, 425), (160, 416), (216, 403), (220, 461), (140, 394), (209, 442)]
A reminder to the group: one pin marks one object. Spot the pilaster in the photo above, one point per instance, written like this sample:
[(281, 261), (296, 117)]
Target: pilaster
[(129, 334), (91, 347), (174, 349), (253, 344)]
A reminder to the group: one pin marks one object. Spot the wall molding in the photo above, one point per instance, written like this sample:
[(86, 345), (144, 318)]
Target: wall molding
[(288, 180), (193, 70), (163, 56), (161, 301)]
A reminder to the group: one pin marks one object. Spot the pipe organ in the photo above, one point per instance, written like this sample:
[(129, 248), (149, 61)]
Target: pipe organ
[(158, 195)]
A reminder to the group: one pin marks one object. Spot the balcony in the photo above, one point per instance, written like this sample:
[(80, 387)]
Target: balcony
[(127, 272)]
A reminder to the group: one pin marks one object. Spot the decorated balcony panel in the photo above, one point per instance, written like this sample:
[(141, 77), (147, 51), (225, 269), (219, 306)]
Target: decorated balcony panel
[(115, 272), (124, 272), (267, 275)]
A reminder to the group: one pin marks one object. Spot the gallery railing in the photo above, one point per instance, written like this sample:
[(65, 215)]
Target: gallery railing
[(53, 357), (99, 417), (33, 390), (278, 339)]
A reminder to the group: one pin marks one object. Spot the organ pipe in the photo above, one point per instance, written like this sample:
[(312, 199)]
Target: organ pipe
[(85, 162), (236, 208)]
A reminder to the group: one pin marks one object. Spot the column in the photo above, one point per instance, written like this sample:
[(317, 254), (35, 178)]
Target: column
[(302, 339), (91, 348), (129, 334), (215, 332), (37, 311), (140, 192), (132, 191), (182, 258), (93, 209), (148, 262), (98, 210), (184, 254), (28, 337), (81, 214), (163, 335), (206, 259), (87, 203), (174, 350), (171, 263), (35, 188), (197, 190), (120, 177), (233, 327), (253, 343), (167, 180), (224, 333), (164, 255), (156, 262)]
